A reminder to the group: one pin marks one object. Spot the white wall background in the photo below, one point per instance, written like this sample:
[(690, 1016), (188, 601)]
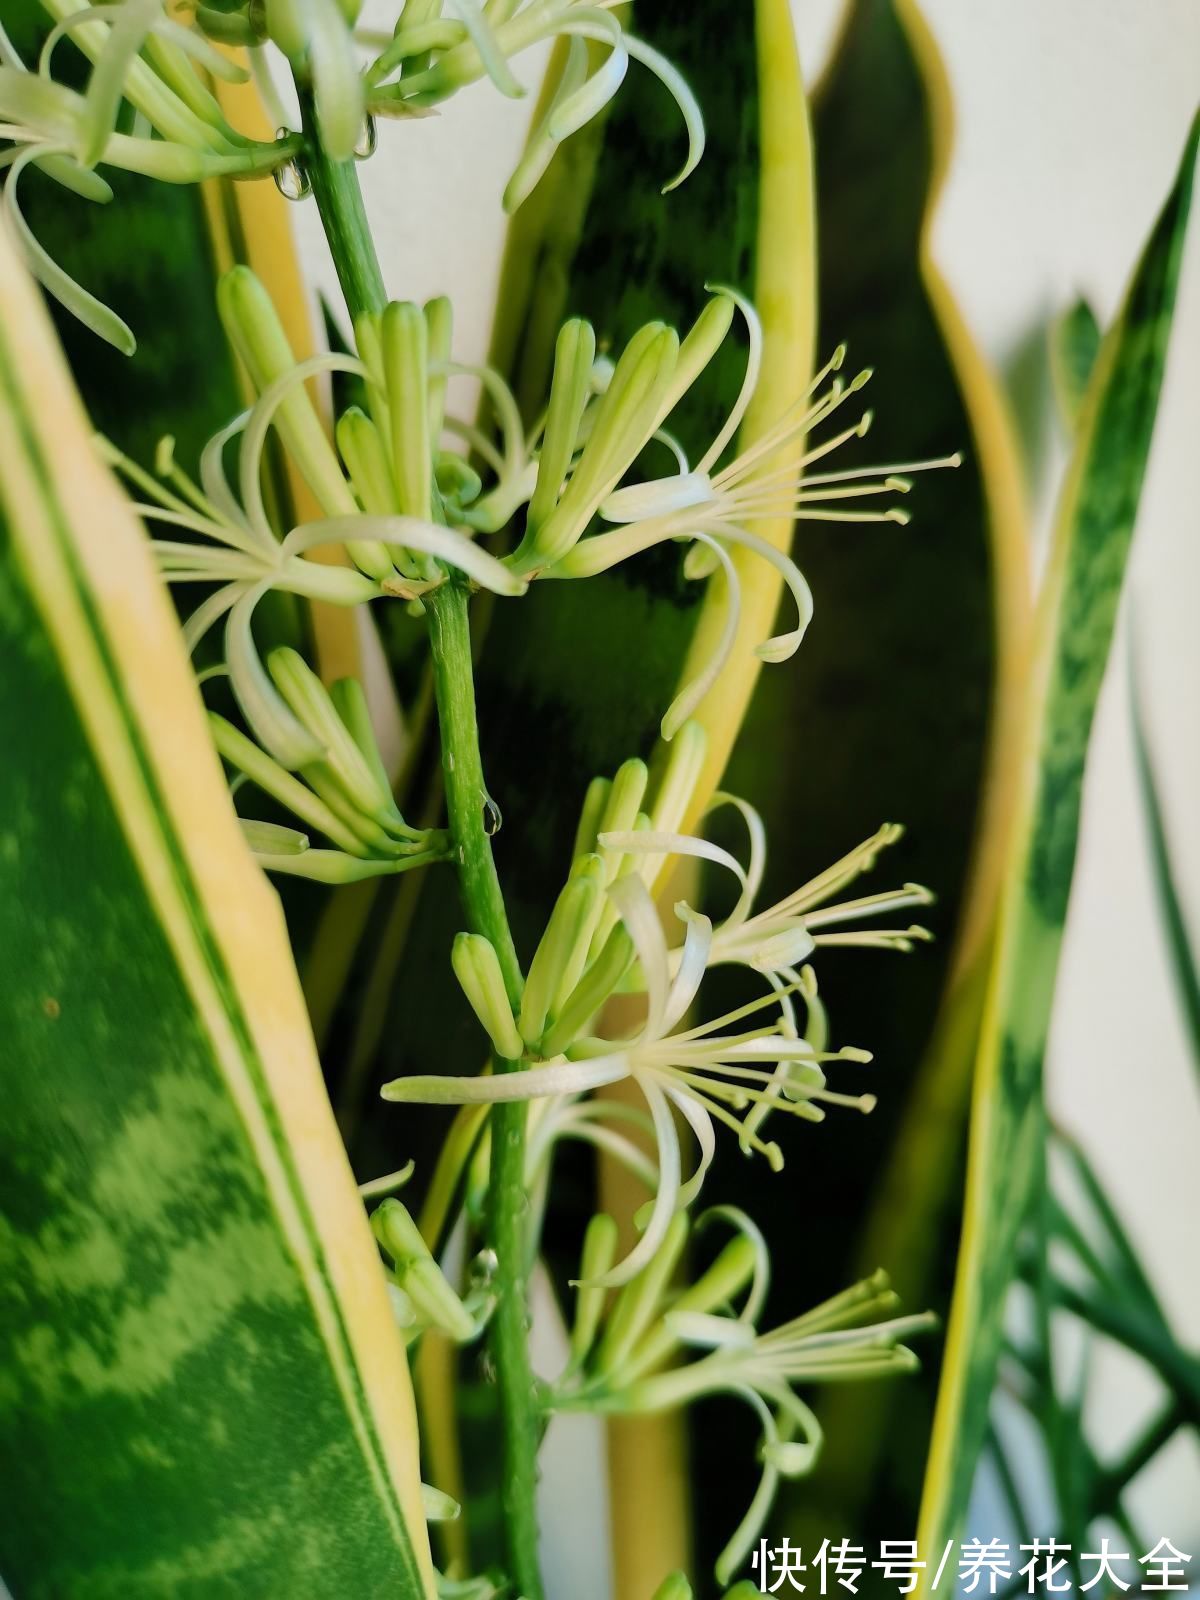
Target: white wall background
[(1071, 116)]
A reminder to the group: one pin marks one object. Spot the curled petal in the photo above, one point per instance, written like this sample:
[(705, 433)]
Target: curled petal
[(106, 85), (733, 1557), (693, 692), (541, 145), (103, 322), (676, 86), (445, 544), (666, 1200), (753, 875), (578, 109), (782, 645), (277, 729), (488, 47), (647, 841), (258, 422), (749, 383), (210, 612), (749, 1229), (701, 1124), (637, 911), (693, 962)]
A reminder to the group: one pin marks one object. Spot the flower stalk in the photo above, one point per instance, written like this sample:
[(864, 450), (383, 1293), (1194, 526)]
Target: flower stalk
[(470, 813)]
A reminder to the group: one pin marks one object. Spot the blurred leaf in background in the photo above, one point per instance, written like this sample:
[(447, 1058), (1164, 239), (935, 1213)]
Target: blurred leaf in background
[(1076, 616)]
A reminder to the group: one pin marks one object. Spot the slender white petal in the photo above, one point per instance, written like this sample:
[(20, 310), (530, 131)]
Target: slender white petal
[(277, 728), (578, 108), (666, 1201), (749, 383), (693, 962), (693, 692), (784, 644), (677, 87), (701, 1124), (755, 867), (649, 841), (637, 911), (733, 1557), (559, 1077), (260, 419), (209, 612)]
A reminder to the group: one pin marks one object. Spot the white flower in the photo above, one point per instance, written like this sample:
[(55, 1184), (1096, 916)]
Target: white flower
[(775, 941), (401, 550), (711, 1073), (442, 47), (630, 1357), (836, 1342), (713, 508), (605, 937)]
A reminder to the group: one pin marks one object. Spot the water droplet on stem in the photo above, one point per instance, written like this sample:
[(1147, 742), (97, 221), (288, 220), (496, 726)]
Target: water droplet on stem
[(368, 138)]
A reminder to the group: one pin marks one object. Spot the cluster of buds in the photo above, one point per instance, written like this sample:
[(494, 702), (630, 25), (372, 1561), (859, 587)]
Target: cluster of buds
[(341, 790), (658, 1345), (605, 937), (423, 1298)]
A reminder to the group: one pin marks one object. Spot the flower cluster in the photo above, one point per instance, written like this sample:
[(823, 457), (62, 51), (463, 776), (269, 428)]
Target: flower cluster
[(605, 937), (144, 54), (657, 1345), (410, 489), (141, 56), (440, 46)]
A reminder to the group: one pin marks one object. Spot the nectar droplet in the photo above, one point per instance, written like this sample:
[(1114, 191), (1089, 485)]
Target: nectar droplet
[(291, 179), (368, 138), (483, 1269)]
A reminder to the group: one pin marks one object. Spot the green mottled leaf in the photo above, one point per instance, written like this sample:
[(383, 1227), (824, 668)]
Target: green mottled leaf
[(202, 1389), (1170, 906), (1077, 609)]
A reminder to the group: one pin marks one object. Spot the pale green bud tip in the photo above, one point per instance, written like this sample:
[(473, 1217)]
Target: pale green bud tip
[(599, 1247), (438, 1507), (477, 968), (556, 959), (248, 316), (397, 1232), (676, 1587), (417, 1273)]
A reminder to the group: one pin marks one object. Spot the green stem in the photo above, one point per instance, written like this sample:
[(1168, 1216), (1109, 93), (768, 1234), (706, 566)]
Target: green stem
[(469, 807), (339, 201)]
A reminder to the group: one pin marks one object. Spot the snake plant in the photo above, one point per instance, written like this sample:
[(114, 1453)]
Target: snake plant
[(398, 983)]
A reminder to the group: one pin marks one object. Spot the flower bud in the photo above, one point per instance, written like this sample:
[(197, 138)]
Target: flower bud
[(477, 968)]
